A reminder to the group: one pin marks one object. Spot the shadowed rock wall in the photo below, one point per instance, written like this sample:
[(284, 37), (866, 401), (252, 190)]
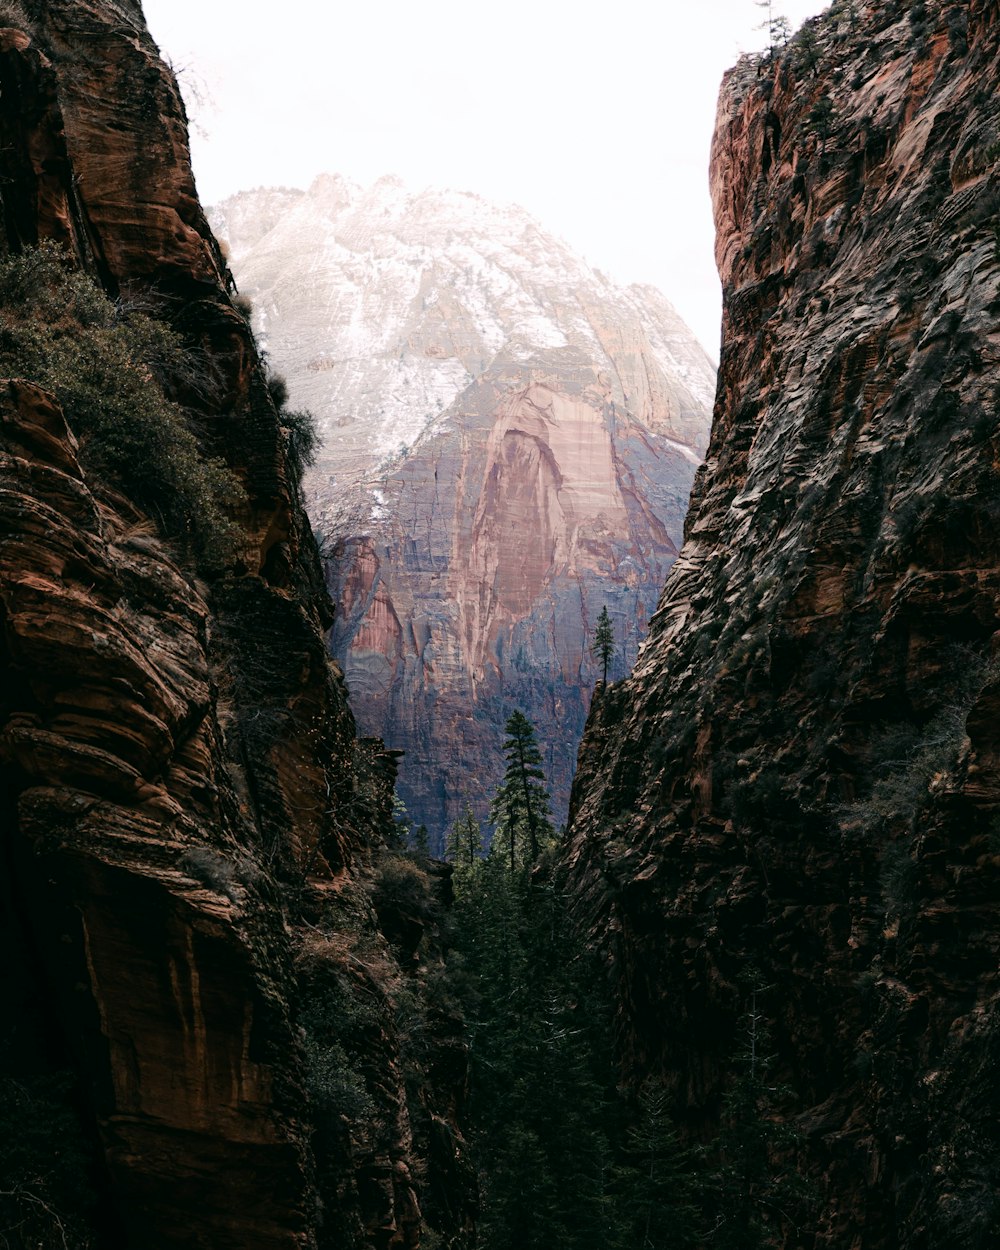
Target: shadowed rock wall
[(184, 806), (798, 784)]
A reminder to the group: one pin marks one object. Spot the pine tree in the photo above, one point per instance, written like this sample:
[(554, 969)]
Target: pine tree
[(775, 26), (398, 835), (756, 1199), (657, 1182), (420, 840), (542, 1079), (603, 646), (807, 50), (520, 810), (547, 1121), (465, 843)]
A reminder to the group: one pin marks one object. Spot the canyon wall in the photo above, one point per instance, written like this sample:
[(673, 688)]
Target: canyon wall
[(508, 444), (792, 804), (188, 821)]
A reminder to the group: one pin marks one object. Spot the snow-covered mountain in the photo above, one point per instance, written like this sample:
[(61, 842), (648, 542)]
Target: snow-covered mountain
[(508, 442), (382, 305)]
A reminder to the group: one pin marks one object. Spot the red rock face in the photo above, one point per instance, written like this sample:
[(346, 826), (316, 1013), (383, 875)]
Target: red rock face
[(800, 776), (110, 751), (506, 533), (180, 805)]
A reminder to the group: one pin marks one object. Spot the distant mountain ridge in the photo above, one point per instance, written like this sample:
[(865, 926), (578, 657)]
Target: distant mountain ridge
[(508, 442)]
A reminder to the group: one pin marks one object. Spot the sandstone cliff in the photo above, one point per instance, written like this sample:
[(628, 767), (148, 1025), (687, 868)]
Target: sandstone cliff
[(797, 788), (186, 815), (509, 441)]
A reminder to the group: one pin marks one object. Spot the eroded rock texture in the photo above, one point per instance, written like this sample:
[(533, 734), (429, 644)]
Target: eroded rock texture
[(184, 807), (797, 788), (508, 444)]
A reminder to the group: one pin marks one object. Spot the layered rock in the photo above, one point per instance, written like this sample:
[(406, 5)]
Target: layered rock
[(184, 806), (797, 788), (508, 442)]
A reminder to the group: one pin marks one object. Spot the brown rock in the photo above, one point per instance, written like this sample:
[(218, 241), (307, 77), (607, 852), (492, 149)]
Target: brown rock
[(799, 777), (180, 785)]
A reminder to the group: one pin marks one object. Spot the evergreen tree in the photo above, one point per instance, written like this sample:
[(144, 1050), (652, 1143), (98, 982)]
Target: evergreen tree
[(603, 646), (465, 842), (657, 1181), (756, 1199), (543, 1097), (547, 1123), (775, 26), (398, 834), (807, 50), (821, 118), (520, 810)]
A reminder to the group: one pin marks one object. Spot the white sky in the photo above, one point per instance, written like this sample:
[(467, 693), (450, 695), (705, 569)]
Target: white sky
[(596, 118)]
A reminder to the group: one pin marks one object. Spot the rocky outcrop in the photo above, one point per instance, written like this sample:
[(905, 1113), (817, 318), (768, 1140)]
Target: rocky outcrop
[(184, 806), (111, 758), (508, 443), (797, 788)]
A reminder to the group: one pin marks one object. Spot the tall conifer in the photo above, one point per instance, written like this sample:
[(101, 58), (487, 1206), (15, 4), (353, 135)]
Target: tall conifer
[(520, 811)]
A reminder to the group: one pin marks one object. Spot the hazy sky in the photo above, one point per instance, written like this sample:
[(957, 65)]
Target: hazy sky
[(596, 118)]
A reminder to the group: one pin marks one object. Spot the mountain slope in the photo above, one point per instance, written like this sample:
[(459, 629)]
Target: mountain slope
[(508, 442)]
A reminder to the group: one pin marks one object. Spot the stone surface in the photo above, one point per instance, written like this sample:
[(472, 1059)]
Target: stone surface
[(182, 797), (798, 783), (508, 443)]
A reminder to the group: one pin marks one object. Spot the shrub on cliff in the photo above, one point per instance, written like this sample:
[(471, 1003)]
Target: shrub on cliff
[(298, 427), (402, 885), (107, 365), (301, 439)]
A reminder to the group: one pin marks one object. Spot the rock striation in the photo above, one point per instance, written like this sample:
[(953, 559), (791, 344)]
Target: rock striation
[(797, 788), (508, 443), (187, 817)]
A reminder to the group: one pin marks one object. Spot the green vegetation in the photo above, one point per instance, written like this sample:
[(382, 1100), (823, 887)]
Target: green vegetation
[(908, 759), (603, 646), (520, 811), (108, 365), (335, 1024), (820, 118), (298, 427), (806, 50), (243, 305), (657, 1183), (775, 26), (543, 1104), (561, 1154), (565, 1157), (756, 1204), (465, 844)]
